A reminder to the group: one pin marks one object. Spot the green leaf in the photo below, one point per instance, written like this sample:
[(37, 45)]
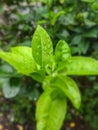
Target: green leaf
[(50, 112), (42, 47), (88, 1), (76, 40), (10, 91), (38, 76), (62, 51), (92, 33), (94, 6), (62, 54), (68, 19), (67, 86), (21, 59), (56, 16), (89, 23), (82, 66)]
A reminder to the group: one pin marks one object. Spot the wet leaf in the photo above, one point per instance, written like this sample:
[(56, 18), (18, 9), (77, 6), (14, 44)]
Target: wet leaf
[(42, 47), (82, 66), (67, 86), (62, 51), (21, 59), (50, 113)]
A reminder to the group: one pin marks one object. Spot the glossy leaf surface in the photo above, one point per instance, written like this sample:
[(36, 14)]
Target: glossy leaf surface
[(62, 51), (67, 86), (50, 113), (82, 66), (21, 59), (42, 47)]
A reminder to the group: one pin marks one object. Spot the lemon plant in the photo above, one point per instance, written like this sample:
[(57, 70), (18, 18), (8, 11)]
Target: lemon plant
[(52, 68)]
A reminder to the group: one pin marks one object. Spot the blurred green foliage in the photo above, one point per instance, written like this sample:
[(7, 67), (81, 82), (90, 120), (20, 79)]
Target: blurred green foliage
[(75, 21)]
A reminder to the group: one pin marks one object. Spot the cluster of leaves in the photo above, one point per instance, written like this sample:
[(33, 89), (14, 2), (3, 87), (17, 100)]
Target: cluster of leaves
[(53, 71), (74, 21)]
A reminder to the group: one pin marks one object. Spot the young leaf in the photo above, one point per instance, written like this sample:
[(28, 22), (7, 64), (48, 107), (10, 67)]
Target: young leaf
[(67, 86), (21, 59), (62, 51), (42, 47), (82, 66), (50, 113)]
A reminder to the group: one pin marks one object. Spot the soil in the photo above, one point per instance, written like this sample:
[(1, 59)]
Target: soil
[(75, 124)]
